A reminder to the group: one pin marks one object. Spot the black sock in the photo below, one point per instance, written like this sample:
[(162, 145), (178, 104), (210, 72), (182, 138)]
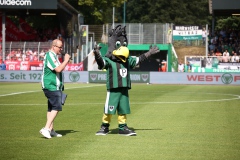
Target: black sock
[(121, 126)]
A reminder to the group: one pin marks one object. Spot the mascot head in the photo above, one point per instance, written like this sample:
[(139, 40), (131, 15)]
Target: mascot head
[(117, 44)]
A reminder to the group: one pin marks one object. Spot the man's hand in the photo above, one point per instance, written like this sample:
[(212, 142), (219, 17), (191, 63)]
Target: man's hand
[(67, 57)]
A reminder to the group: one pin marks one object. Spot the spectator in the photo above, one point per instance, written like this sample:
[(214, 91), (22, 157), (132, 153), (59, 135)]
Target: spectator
[(232, 53), (23, 57), (204, 35), (226, 52), (35, 58), (2, 66), (225, 57), (211, 53), (19, 55), (41, 55), (180, 67), (235, 58), (27, 58), (189, 67), (218, 53), (169, 36)]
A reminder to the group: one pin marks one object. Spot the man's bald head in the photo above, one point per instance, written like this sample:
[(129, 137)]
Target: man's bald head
[(56, 46)]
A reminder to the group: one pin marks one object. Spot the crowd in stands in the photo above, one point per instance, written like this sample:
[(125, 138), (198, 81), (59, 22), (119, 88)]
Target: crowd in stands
[(28, 55), (225, 44), (45, 35)]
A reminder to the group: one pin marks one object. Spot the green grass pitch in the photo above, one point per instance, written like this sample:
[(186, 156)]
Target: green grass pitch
[(172, 122)]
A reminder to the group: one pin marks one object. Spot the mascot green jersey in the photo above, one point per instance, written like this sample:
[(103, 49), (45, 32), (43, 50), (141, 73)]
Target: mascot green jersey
[(118, 63)]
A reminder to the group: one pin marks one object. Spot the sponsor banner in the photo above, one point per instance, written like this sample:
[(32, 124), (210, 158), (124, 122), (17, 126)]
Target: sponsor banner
[(187, 32), (214, 70), (229, 66), (76, 76), (155, 77), (23, 65), (74, 67), (35, 65), (197, 37), (101, 77), (20, 76), (195, 78), (35, 76), (28, 4)]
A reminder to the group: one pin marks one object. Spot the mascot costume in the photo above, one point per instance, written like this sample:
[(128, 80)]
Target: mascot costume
[(117, 64)]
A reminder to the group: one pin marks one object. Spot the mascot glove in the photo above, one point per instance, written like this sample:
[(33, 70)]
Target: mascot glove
[(98, 58), (152, 50), (96, 49)]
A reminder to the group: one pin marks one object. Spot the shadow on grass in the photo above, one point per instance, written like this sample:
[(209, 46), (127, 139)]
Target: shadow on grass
[(65, 132), (115, 131)]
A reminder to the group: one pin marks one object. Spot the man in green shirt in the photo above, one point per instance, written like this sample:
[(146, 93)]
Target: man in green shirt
[(118, 63), (52, 85)]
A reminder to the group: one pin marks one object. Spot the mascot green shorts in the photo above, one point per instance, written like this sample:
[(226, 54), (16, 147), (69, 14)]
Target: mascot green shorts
[(117, 100)]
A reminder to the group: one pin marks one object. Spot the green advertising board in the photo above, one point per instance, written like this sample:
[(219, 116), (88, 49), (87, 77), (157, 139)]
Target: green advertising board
[(101, 77), (195, 37)]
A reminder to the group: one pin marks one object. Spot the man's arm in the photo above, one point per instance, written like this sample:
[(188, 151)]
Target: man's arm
[(61, 67)]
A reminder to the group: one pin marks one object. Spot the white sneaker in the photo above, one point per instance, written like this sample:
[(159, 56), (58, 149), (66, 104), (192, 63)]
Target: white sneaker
[(45, 133), (55, 134)]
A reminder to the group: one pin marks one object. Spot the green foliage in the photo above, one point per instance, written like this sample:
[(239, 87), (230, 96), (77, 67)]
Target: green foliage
[(171, 121), (181, 12), (228, 23), (96, 11)]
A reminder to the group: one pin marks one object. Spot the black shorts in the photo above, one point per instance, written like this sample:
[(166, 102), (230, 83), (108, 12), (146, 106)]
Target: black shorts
[(54, 100)]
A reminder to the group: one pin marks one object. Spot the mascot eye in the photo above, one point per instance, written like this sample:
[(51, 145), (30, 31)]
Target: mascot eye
[(125, 44), (118, 44)]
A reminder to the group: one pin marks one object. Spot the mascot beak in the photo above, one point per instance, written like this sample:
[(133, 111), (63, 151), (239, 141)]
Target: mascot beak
[(122, 53)]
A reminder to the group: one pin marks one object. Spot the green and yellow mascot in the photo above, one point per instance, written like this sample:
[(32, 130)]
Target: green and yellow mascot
[(117, 64)]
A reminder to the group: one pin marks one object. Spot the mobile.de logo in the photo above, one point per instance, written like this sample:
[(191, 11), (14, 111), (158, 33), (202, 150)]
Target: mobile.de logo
[(16, 2)]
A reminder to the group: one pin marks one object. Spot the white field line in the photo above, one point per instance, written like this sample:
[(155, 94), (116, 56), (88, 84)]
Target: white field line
[(237, 97)]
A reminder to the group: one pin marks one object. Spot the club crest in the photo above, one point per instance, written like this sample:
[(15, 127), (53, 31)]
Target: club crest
[(123, 72), (144, 77)]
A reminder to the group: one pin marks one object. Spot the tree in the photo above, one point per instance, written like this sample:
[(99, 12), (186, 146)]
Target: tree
[(178, 12), (181, 12), (228, 23), (96, 11)]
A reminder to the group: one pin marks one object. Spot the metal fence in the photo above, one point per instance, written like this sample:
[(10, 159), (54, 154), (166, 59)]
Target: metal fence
[(137, 33), (12, 49)]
